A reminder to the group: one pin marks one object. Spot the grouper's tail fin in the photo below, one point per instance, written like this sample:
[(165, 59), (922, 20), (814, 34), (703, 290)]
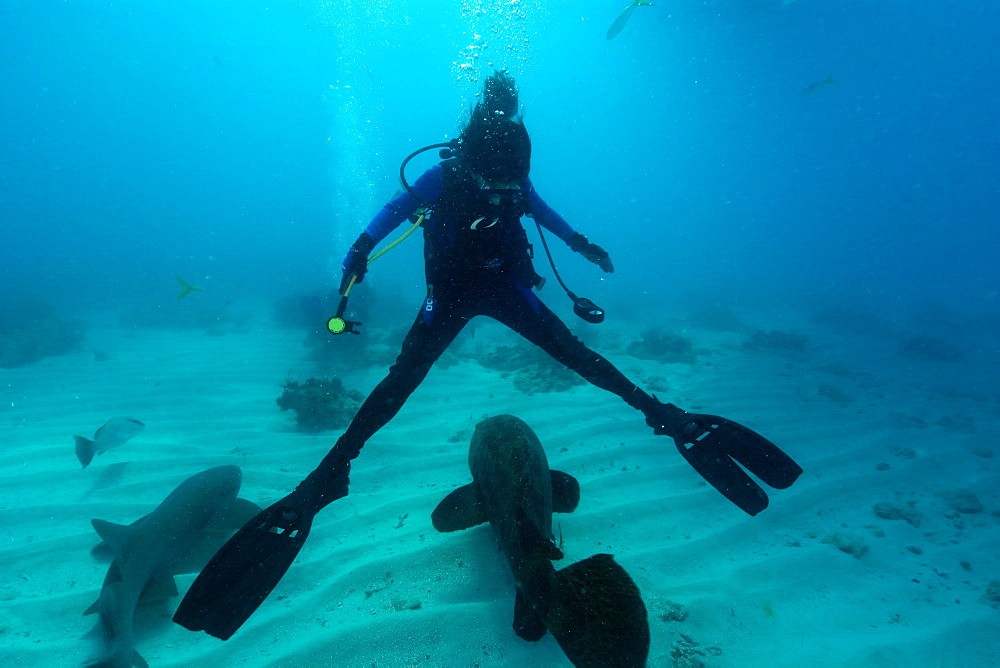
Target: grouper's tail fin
[(597, 615)]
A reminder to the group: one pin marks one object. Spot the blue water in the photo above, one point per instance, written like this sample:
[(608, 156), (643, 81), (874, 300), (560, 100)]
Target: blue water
[(243, 146)]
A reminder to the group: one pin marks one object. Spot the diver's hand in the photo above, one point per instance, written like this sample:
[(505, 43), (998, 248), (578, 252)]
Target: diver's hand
[(592, 252), (356, 262)]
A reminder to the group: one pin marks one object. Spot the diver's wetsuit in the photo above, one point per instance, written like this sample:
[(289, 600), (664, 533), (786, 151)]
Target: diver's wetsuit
[(478, 262)]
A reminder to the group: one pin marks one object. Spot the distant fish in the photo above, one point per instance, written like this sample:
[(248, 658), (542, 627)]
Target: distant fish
[(816, 85), (185, 288), (115, 432), (623, 18), (179, 536)]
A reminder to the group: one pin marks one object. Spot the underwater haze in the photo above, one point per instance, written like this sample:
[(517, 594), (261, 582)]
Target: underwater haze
[(244, 145), (800, 198)]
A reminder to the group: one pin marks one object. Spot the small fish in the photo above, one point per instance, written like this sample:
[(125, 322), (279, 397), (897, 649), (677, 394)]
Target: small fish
[(623, 18), (115, 432), (816, 85), (185, 288)]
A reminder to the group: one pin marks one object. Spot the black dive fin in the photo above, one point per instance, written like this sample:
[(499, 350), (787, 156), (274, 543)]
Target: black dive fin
[(713, 445), (461, 509), (722, 473), (760, 456), (242, 574), (527, 624), (565, 492), (233, 515), (717, 442)]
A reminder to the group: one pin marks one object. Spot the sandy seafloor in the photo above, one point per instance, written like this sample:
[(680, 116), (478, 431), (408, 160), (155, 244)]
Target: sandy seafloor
[(376, 586)]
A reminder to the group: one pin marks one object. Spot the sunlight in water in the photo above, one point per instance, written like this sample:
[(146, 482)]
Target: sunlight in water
[(358, 28), (498, 36)]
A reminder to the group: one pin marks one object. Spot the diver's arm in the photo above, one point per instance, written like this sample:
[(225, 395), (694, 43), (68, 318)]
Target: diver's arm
[(355, 265), (428, 188), (556, 224), (547, 216)]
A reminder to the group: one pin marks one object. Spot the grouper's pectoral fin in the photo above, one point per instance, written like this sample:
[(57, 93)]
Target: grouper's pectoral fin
[(565, 492), (527, 623), (462, 509)]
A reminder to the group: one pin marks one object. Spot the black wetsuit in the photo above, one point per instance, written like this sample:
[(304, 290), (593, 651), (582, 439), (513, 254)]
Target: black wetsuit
[(478, 262)]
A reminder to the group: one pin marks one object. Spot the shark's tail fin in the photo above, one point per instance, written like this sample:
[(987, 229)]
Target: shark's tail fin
[(84, 450), (115, 661), (137, 662), (597, 615)]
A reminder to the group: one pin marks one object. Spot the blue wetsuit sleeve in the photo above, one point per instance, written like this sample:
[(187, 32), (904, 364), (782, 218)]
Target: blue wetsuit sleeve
[(428, 188), (547, 216)]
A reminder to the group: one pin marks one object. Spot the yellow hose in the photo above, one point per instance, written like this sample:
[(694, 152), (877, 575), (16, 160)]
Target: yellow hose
[(405, 234), (420, 220)]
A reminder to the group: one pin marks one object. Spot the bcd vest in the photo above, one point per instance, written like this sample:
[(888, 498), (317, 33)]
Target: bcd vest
[(470, 237)]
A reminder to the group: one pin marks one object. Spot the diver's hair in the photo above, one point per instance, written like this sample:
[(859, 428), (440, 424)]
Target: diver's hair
[(495, 143), (499, 96)]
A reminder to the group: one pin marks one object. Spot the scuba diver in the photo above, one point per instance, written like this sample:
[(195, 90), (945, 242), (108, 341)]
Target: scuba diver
[(477, 262)]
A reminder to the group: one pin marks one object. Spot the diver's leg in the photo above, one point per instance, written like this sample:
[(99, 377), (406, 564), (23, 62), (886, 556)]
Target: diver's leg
[(522, 311), (427, 339), (711, 444), (423, 345)]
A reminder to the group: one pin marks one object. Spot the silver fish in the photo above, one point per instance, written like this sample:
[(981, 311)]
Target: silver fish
[(115, 432), (816, 85), (623, 18)]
